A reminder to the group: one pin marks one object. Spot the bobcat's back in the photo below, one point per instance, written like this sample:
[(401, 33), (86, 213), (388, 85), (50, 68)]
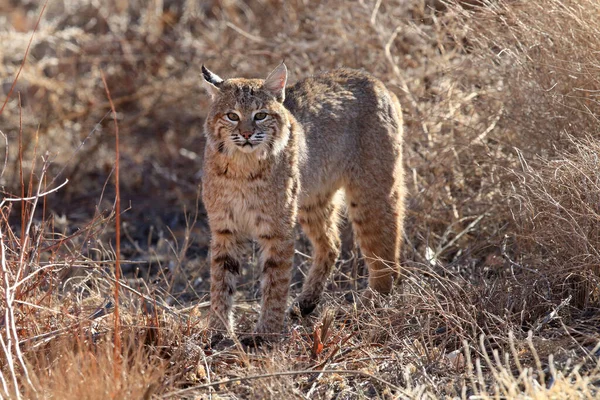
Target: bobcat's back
[(349, 117)]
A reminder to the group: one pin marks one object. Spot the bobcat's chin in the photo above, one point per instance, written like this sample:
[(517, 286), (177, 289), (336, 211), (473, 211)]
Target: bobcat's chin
[(249, 147), (240, 152)]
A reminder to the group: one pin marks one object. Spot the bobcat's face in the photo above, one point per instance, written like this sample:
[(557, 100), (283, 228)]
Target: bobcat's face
[(247, 115), (243, 118)]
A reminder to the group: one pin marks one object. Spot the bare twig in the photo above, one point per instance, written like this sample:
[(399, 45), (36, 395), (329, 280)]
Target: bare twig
[(25, 239), (458, 236), (287, 373), (375, 11), (5, 154), (247, 35), (117, 333), (552, 314), (153, 300), (403, 83), (12, 87), (8, 322), (37, 196)]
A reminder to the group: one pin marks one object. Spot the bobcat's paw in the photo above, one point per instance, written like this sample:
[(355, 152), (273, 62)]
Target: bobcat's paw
[(215, 339), (301, 308), (219, 341), (253, 340)]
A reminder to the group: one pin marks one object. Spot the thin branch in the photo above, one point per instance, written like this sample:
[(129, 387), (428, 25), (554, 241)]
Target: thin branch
[(21, 174), (25, 238), (245, 34), (25, 57), (403, 84), (34, 273), (375, 11), (117, 333), (79, 147), (553, 314), (152, 300), (286, 373), (5, 154), (6, 346), (457, 237), (36, 196)]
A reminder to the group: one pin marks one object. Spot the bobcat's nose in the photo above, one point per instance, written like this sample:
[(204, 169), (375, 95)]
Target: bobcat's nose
[(246, 135)]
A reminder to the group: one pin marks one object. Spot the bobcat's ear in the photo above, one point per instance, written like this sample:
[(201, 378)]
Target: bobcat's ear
[(275, 82), (212, 82)]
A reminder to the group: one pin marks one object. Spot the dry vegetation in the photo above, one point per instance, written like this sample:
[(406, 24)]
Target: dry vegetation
[(502, 248)]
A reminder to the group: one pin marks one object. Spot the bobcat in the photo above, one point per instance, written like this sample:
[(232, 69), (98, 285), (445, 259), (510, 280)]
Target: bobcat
[(275, 155)]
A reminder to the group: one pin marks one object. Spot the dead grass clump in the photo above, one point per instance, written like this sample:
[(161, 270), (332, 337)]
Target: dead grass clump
[(546, 54), (546, 57), (556, 203), (87, 371), (58, 339)]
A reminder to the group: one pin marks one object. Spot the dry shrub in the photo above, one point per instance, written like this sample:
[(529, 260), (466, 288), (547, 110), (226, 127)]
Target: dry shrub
[(557, 205), (87, 371), (55, 335), (546, 57), (57, 313)]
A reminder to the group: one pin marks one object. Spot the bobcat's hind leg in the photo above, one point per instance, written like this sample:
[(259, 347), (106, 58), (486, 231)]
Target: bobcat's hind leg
[(319, 219), (377, 220)]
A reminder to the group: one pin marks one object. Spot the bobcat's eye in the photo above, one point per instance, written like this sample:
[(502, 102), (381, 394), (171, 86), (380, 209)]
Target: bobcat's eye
[(260, 116), (233, 117)]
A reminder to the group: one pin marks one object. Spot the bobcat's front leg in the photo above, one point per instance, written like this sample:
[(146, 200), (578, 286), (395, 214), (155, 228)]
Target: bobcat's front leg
[(277, 252), (224, 270)]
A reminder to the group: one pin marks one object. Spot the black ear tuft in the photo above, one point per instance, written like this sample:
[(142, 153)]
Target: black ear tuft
[(211, 77), (205, 73)]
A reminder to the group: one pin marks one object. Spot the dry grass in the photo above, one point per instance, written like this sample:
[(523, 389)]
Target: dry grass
[(501, 258)]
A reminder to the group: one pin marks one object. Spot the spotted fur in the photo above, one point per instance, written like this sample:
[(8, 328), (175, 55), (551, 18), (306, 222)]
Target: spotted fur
[(339, 132)]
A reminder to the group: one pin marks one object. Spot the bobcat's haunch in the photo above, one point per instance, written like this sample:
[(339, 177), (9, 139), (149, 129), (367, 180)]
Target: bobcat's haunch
[(275, 155)]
